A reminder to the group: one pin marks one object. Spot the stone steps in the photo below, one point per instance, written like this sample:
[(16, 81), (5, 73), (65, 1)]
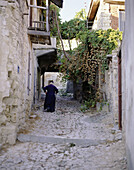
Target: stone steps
[(58, 140)]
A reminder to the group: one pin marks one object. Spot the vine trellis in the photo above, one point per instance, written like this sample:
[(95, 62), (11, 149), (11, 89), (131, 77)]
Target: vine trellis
[(84, 62)]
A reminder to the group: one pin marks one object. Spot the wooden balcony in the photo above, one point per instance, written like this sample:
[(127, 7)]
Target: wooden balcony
[(38, 30)]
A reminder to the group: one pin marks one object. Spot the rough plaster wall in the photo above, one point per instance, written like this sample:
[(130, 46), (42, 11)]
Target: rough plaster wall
[(128, 81), (15, 46)]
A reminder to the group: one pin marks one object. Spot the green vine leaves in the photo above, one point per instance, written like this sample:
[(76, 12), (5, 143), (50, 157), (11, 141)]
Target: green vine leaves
[(90, 55)]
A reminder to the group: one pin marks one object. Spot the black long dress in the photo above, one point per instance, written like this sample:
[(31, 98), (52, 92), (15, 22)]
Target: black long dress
[(49, 103)]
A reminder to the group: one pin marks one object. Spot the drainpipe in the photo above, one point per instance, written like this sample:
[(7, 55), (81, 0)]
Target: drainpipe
[(119, 92)]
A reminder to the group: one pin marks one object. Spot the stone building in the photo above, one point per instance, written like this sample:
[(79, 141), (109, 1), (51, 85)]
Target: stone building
[(22, 23), (105, 14)]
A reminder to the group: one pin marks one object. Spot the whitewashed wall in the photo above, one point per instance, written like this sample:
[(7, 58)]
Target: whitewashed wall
[(128, 81), (57, 78)]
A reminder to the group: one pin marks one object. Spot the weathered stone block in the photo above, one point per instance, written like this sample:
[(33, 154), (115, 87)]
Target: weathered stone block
[(15, 84), (8, 101), (12, 139), (15, 102), (8, 134), (14, 117), (3, 120), (3, 3)]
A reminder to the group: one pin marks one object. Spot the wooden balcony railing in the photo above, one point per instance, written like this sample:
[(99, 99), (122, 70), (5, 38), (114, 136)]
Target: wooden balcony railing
[(38, 25)]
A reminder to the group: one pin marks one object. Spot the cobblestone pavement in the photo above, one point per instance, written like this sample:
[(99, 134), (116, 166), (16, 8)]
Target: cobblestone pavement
[(66, 139)]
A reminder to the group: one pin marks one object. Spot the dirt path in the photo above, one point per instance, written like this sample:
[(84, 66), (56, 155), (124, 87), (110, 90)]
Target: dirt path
[(67, 139)]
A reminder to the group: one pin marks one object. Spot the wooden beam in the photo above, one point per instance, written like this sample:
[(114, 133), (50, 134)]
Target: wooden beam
[(39, 33), (27, 3), (39, 7), (115, 2), (93, 9), (60, 36), (59, 3)]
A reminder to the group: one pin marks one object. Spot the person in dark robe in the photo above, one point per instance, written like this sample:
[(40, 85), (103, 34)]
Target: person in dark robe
[(50, 90)]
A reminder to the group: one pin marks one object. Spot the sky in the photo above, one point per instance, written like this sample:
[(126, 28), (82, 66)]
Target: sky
[(70, 7)]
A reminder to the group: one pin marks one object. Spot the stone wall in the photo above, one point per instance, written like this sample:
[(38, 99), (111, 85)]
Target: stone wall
[(103, 17), (108, 17), (111, 86), (15, 51)]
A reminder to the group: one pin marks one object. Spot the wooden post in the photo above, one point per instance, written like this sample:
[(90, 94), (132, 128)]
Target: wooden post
[(47, 12), (60, 36), (39, 7), (30, 19)]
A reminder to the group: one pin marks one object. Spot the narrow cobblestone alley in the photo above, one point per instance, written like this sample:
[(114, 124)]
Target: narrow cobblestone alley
[(66, 139)]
